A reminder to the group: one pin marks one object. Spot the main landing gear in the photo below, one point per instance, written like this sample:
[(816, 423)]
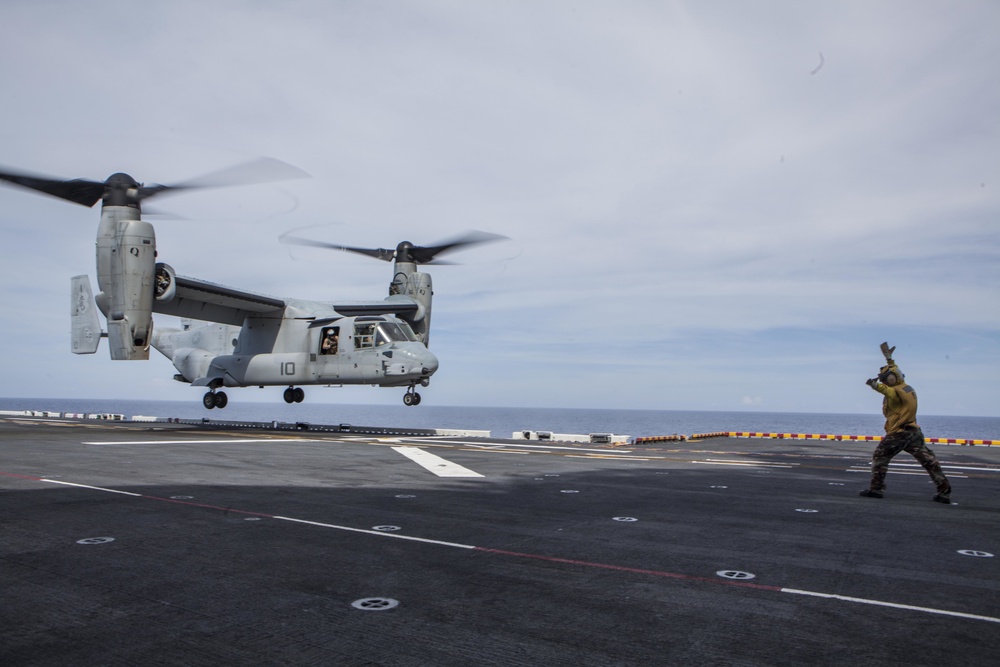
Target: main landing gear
[(411, 397), (294, 395), (215, 399)]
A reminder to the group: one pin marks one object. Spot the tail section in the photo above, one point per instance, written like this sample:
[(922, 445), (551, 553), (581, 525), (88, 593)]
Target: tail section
[(86, 327), (193, 348)]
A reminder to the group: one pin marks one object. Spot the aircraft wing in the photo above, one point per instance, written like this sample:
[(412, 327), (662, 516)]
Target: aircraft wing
[(394, 305), (202, 300)]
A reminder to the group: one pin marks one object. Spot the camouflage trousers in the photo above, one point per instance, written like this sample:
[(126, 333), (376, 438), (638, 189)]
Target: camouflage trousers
[(912, 441)]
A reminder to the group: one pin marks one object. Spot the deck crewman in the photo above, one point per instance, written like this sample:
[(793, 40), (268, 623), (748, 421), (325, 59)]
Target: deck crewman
[(899, 405)]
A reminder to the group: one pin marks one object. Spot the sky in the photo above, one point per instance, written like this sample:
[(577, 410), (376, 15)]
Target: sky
[(711, 205)]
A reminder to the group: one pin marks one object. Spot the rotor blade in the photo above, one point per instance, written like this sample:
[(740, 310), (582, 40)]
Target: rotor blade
[(161, 214), (378, 253), (404, 251), (427, 254), (261, 170), (78, 190), (386, 255)]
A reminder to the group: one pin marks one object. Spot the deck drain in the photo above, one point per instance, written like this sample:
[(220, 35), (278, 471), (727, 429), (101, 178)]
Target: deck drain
[(375, 604), (385, 529), (977, 554), (735, 574), (626, 519), (95, 540)]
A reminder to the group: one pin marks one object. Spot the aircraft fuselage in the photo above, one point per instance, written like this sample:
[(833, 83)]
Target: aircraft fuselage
[(376, 350)]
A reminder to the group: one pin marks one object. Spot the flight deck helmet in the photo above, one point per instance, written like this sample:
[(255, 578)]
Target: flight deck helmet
[(887, 372)]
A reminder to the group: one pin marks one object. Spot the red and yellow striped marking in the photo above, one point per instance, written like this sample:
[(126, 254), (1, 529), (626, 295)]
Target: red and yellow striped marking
[(801, 436), (805, 436), (950, 441), (660, 438)]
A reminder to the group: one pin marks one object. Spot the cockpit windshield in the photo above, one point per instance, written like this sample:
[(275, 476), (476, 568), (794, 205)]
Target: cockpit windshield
[(371, 334), (391, 332)]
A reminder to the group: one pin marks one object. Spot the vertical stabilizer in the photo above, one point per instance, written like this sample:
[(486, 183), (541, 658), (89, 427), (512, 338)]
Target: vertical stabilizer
[(86, 328)]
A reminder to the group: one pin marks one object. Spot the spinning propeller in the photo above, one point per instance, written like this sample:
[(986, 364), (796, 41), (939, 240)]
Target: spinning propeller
[(123, 190), (405, 251)]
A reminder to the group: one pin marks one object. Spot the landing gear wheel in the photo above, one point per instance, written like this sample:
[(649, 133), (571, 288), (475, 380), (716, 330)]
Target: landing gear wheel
[(294, 395), (411, 398), (208, 400), (221, 400)]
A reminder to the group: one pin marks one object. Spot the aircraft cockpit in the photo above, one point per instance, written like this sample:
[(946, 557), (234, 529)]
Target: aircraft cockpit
[(369, 334)]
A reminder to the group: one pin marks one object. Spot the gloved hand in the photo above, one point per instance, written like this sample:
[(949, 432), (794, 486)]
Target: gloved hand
[(871, 382), (887, 351)]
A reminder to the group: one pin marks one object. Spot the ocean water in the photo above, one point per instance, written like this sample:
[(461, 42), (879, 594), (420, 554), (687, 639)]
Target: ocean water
[(502, 422)]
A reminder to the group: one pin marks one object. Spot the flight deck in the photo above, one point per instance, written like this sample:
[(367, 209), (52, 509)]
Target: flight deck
[(166, 543)]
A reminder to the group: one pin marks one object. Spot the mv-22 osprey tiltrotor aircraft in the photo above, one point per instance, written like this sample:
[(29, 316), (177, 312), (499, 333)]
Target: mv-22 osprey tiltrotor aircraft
[(255, 340)]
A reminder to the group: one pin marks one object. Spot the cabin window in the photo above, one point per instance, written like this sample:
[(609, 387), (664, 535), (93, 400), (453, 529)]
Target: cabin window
[(330, 341)]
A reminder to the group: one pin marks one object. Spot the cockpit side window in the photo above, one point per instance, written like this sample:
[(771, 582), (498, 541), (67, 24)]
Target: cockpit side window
[(364, 336)]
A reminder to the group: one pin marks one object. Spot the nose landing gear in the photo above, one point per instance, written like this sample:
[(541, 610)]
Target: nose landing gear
[(411, 397), (294, 395)]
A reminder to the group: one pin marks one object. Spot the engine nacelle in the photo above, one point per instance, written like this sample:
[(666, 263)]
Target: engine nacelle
[(166, 283), (126, 272), (418, 287)]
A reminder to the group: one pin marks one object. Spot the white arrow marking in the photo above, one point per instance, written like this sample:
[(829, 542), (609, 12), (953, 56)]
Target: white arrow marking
[(437, 465)]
